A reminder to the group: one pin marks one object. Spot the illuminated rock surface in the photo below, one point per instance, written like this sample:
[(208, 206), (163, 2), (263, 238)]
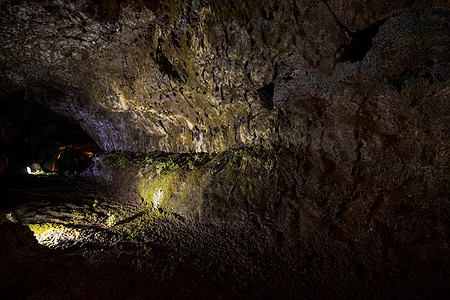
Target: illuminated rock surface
[(276, 148)]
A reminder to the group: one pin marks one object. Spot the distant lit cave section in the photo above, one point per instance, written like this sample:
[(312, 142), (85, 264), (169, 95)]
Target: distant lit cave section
[(37, 141)]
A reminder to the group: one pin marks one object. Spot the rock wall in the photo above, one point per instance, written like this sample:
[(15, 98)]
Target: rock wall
[(340, 109), (378, 232)]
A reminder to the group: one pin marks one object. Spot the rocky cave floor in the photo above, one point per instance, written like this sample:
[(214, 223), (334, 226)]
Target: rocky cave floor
[(92, 247)]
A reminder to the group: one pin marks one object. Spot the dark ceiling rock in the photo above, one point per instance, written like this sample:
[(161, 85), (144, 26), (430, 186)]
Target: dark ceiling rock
[(360, 44), (184, 76), (357, 15), (266, 95)]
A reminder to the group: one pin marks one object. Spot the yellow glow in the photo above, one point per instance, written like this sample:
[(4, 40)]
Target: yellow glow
[(52, 235)]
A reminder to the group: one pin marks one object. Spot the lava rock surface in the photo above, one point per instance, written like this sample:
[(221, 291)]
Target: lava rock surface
[(319, 126)]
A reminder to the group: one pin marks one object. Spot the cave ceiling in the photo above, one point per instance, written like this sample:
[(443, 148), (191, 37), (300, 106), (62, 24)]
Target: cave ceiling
[(205, 76)]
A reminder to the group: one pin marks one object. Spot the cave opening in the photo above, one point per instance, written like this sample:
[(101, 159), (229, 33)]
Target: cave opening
[(37, 140)]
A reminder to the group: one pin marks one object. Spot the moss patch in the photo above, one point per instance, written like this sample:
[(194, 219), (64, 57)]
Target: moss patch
[(176, 185)]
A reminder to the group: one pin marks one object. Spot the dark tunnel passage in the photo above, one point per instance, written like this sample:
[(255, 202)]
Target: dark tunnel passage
[(35, 139)]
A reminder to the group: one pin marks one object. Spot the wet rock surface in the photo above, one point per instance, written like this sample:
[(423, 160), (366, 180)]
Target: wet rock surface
[(304, 143)]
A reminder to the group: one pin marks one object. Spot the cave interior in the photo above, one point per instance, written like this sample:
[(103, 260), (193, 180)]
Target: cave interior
[(224, 149)]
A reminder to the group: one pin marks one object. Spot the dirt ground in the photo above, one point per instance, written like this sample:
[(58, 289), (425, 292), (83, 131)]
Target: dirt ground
[(139, 255), (94, 246)]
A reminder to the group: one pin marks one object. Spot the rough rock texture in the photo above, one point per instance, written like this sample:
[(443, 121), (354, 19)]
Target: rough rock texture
[(372, 236), (185, 76), (340, 109)]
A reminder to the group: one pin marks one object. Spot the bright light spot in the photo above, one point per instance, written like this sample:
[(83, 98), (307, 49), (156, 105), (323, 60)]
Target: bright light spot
[(11, 217), (157, 197), (51, 235), (111, 221), (36, 169)]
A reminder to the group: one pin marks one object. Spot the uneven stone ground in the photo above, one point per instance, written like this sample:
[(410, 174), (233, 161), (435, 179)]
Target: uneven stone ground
[(102, 249), (138, 256)]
